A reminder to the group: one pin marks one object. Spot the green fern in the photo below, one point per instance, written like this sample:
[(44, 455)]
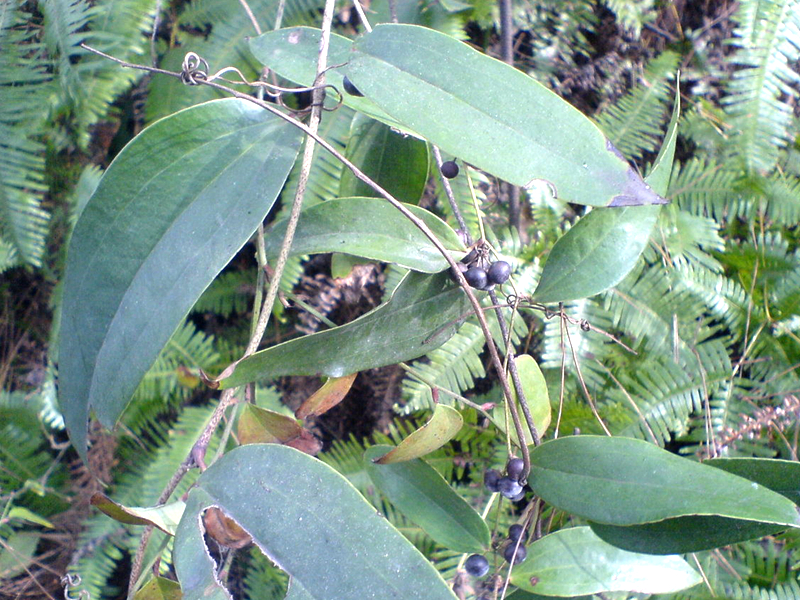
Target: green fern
[(768, 42), (635, 123)]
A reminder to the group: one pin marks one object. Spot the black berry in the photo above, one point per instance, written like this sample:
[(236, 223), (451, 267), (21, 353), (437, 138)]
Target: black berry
[(515, 557), (517, 532), (350, 88), (477, 565), (514, 468), (518, 497), (490, 479), (476, 277), (461, 267), (510, 488), (499, 272), (449, 169)]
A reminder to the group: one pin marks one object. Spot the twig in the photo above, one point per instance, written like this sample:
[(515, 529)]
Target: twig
[(362, 15), (250, 16), (448, 190)]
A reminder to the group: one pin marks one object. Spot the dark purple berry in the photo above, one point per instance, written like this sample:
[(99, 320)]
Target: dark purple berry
[(449, 169), (499, 272), (490, 479), (515, 557), (514, 468), (461, 267), (510, 488), (477, 565), (476, 277), (350, 88), (518, 497), (517, 531)]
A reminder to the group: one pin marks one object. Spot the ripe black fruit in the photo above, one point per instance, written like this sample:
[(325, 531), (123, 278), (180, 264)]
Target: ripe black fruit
[(476, 277), (490, 479), (477, 565), (510, 488), (515, 557), (499, 272), (517, 531), (350, 88), (514, 468), (449, 169)]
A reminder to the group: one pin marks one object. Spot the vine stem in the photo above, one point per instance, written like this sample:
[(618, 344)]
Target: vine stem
[(227, 395)]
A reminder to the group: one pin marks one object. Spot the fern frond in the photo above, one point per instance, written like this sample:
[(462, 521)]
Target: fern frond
[(635, 123), (708, 189), (768, 42), (782, 193), (633, 14), (231, 292)]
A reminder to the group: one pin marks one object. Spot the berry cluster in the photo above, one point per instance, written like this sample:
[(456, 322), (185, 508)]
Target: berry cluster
[(509, 484), (480, 273)]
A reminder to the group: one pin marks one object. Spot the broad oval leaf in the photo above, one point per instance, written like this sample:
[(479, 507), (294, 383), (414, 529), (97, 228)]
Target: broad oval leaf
[(172, 209), (422, 314), (398, 163), (422, 495), (780, 476), (604, 245), (164, 516), (572, 562), (309, 521), (491, 115), (623, 481), (371, 228), (443, 425)]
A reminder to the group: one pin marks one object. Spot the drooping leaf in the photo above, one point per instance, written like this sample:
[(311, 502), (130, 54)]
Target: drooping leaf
[(310, 522), (371, 228), (420, 493), (172, 209), (325, 398), (572, 562), (398, 163), (421, 315), (443, 425), (491, 115), (165, 516), (535, 388), (602, 248), (261, 426), (624, 482)]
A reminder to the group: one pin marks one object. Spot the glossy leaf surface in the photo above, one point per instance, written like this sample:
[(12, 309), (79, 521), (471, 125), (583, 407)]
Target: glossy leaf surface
[(421, 315), (623, 481), (310, 522), (368, 227), (172, 209), (420, 493), (443, 425), (571, 562), (780, 476), (398, 163), (602, 248), (491, 115)]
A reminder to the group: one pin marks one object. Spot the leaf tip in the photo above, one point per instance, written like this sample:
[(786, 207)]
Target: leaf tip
[(636, 191)]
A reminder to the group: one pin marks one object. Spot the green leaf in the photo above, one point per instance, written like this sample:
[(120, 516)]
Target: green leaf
[(420, 493), (164, 516), (622, 481), (491, 115), (421, 315), (572, 562), (602, 248), (292, 53), (311, 522), (535, 388), (159, 588), (370, 228), (777, 475), (172, 209), (442, 427), (398, 163), (17, 553)]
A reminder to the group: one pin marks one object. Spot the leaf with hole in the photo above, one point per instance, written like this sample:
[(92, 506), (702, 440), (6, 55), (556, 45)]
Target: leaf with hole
[(422, 314), (309, 521), (491, 115), (422, 495), (573, 562), (169, 213), (371, 228)]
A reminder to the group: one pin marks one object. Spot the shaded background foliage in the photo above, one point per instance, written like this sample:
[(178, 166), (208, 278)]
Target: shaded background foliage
[(711, 308)]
